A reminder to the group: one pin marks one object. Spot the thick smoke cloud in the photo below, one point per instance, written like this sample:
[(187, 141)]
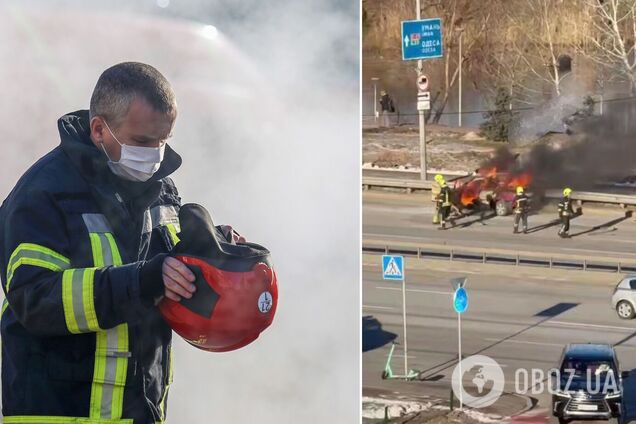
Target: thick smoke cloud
[(599, 151), (268, 129)]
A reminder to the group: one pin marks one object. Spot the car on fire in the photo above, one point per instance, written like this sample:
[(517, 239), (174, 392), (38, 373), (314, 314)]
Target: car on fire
[(488, 188)]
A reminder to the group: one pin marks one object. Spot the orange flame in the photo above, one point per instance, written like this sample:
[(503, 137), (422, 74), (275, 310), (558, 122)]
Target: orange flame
[(468, 197), (521, 180)]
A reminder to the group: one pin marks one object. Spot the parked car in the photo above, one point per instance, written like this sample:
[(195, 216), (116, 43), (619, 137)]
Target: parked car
[(624, 297), (584, 390)]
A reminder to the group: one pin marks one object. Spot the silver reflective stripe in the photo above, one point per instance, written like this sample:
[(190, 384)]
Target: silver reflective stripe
[(96, 223), (110, 373), (163, 215), (147, 228), (78, 301), (34, 254), (107, 253)]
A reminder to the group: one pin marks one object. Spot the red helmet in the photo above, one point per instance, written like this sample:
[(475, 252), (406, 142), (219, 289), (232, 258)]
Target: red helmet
[(236, 294)]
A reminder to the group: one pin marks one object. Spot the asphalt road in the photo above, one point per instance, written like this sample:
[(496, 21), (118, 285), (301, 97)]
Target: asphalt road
[(520, 317), (599, 232)]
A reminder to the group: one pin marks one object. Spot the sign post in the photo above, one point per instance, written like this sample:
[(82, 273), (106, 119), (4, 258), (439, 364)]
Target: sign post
[(375, 99), (460, 304), (423, 104), (422, 39), (393, 269)]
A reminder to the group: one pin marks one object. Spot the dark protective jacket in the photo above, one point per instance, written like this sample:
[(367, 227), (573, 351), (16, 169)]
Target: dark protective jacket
[(521, 203), (444, 196), (80, 344), (565, 207), (386, 104)]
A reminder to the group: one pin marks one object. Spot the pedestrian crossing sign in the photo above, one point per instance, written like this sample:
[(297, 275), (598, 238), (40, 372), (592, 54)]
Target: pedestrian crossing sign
[(392, 267)]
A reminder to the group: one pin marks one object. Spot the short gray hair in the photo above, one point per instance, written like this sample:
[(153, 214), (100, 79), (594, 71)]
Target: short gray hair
[(118, 85)]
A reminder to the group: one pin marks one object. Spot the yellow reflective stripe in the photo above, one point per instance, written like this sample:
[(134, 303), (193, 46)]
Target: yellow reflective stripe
[(113, 248), (41, 419), (111, 346), (88, 299), (109, 373), (96, 247), (162, 403), (98, 375), (5, 305), (78, 300), (172, 232), (120, 373), (67, 301), (36, 255)]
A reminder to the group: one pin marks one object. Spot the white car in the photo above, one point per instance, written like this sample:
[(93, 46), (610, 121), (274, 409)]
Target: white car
[(624, 297)]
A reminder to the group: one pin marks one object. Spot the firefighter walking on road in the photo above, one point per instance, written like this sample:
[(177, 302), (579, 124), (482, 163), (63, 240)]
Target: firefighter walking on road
[(443, 201), (565, 213), (521, 209)]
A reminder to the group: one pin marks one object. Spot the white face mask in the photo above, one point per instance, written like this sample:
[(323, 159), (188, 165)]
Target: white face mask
[(136, 163)]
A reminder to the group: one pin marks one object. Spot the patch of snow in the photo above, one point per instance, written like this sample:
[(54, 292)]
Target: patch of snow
[(471, 136), (481, 417), (374, 408)]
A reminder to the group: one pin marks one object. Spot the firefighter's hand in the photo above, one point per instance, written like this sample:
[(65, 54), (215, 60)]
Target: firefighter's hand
[(177, 279)]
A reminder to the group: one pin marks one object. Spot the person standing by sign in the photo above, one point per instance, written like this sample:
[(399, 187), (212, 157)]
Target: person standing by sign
[(387, 107)]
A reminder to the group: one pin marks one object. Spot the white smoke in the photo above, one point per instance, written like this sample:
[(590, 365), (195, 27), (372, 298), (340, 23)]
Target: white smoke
[(268, 128)]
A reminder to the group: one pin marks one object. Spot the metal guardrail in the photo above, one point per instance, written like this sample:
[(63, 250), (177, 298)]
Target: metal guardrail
[(504, 257), (580, 196)]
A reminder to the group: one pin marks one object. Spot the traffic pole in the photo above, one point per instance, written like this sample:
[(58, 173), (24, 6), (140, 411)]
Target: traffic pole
[(461, 33), (375, 98), (459, 357), (422, 121), (406, 353)]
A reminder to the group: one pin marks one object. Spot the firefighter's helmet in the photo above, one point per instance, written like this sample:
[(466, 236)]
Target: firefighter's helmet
[(237, 291), (567, 191), (439, 179), (519, 190)]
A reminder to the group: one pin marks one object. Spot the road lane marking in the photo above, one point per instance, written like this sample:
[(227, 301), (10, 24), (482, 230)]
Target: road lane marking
[(580, 324), (376, 307), (415, 290), (490, 339)]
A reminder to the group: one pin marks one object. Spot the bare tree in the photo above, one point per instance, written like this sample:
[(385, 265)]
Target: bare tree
[(613, 35), (458, 16)]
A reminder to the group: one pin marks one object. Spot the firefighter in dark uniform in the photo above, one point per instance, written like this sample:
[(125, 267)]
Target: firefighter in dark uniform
[(444, 202), (521, 208), (84, 238), (566, 212)]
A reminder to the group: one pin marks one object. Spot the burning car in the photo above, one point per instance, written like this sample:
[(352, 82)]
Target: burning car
[(488, 187)]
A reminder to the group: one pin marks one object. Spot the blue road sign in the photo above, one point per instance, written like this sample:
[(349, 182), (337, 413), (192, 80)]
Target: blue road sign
[(392, 267), (460, 300), (422, 39)]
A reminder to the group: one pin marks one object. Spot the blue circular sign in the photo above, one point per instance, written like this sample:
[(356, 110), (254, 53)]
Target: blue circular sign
[(460, 300)]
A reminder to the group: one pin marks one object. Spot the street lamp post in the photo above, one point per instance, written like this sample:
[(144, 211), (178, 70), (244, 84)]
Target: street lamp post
[(460, 61), (422, 121), (375, 98)]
